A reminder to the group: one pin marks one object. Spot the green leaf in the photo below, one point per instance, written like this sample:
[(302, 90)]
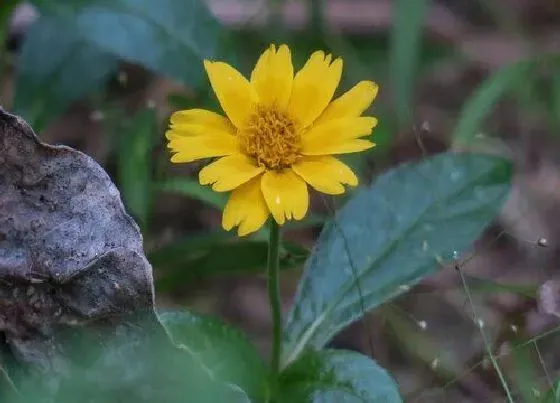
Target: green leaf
[(168, 36), (405, 53), (555, 102), (56, 68), (191, 188), (483, 99), (336, 376), (478, 284), (134, 164), (391, 234), (553, 394), (524, 373), (223, 350), (203, 256), (131, 363)]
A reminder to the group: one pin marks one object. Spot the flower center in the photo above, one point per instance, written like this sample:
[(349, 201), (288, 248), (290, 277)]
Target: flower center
[(271, 138)]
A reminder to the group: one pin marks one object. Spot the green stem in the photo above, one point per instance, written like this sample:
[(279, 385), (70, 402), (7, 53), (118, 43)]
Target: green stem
[(274, 296)]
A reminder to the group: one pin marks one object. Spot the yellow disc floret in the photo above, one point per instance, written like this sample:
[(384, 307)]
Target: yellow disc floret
[(271, 138)]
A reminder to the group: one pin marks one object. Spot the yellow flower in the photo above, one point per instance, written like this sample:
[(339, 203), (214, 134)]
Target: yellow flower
[(279, 135)]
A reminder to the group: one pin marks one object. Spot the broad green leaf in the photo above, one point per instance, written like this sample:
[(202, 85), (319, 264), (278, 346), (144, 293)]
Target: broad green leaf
[(54, 69), (336, 376), (134, 363), (483, 99), (223, 350), (405, 53), (216, 254), (393, 233), (167, 36), (191, 188), (134, 164)]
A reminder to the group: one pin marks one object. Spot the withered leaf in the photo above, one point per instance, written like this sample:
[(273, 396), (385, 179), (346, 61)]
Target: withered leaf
[(70, 256)]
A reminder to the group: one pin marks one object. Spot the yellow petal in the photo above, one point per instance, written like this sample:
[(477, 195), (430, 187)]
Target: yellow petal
[(285, 194), (212, 144), (313, 87), (326, 174), (273, 75), (201, 117), (246, 208), (236, 95), (341, 147), (190, 130), (352, 103), (229, 172), (337, 131)]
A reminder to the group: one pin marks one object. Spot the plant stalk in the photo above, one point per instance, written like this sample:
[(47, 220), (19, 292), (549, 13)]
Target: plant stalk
[(273, 276)]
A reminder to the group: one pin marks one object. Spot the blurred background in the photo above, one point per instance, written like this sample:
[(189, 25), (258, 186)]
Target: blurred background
[(103, 77)]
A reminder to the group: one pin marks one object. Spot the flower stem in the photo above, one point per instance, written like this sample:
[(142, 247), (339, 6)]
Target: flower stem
[(273, 276)]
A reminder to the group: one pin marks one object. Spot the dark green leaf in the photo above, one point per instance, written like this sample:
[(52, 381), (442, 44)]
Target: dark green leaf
[(135, 164), (6, 11), (483, 99), (524, 373), (478, 284), (217, 254), (191, 188), (223, 350), (555, 102), (133, 363), (393, 233), (56, 68), (336, 376), (405, 53), (168, 36), (553, 394)]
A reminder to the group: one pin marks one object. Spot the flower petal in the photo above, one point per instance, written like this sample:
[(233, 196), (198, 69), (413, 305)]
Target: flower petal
[(196, 129), (341, 147), (313, 87), (236, 95), (211, 144), (337, 131), (285, 194), (352, 103), (326, 174), (229, 172), (273, 76), (201, 117), (246, 208)]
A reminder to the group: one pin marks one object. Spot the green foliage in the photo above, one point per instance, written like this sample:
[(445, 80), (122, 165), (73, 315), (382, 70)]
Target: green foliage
[(336, 376), (56, 68), (483, 99), (137, 363), (394, 233), (191, 188), (405, 53), (134, 168), (215, 254), (524, 372), (223, 350), (553, 394), (169, 37), (492, 287), (72, 50)]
